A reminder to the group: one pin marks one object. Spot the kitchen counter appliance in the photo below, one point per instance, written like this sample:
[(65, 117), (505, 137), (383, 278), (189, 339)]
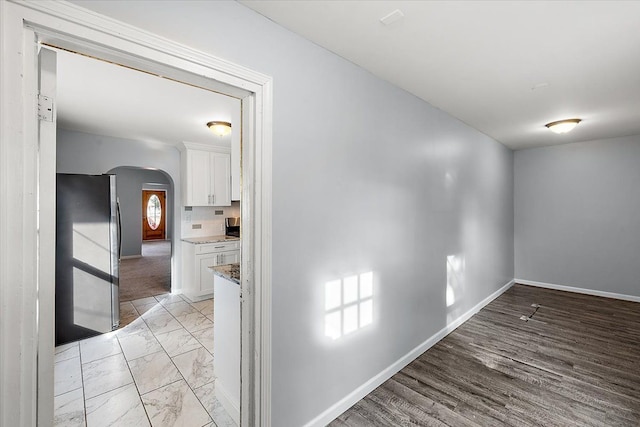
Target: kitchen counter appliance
[(232, 226)]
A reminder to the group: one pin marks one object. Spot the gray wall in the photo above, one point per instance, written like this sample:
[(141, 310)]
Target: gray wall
[(130, 183), (577, 215), (366, 177), (79, 152)]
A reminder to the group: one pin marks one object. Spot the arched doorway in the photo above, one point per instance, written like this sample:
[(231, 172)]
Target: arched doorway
[(146, 199)]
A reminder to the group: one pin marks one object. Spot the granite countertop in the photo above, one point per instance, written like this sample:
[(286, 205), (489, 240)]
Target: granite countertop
[(230, 272), (210, 239)]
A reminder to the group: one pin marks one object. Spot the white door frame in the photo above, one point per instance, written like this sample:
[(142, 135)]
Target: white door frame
[(26, 271)]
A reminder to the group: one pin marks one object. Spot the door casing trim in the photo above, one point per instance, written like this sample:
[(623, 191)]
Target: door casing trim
[(26, 392)]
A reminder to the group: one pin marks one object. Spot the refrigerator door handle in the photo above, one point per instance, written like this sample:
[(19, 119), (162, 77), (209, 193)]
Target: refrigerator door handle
[(119, 230)]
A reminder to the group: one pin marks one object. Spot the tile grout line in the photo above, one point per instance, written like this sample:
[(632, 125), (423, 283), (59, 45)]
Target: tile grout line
[(81, 387), (84, 400), (214, 374), (171, 358), (185, 380), (131, 373), (128, 367), (174, 364), (192, 390)]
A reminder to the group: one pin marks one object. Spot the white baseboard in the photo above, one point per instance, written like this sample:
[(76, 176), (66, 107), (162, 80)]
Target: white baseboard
[(352, 398), (228, 403), (130, 256), (579, 290)]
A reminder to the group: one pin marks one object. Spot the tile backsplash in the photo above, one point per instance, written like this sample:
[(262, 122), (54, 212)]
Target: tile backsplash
[(203, 221)]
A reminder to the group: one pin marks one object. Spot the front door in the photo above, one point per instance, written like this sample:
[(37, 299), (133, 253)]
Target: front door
[(153, 214)]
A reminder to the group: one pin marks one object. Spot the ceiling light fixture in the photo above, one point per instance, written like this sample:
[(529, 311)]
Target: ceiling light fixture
[(220, 128), (563, 126)]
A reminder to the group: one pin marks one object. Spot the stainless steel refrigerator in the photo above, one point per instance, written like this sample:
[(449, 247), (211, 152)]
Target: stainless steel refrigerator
[(87, 256)]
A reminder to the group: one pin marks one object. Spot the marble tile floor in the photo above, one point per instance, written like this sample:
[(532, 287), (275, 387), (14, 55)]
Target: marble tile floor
[(156, 370)]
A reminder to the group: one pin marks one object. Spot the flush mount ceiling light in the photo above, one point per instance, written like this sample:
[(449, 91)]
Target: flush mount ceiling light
[(220, 128), (563, 126)]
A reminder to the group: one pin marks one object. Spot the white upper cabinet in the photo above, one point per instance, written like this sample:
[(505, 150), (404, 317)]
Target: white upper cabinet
[(197, 179), (206, 175), (220, 179)]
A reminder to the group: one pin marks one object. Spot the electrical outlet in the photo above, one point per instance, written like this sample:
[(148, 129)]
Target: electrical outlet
[(196, 226), (219, 212)]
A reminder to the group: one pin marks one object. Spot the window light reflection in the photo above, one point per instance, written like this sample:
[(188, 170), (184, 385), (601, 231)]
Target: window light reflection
[(348, 304), (455, 278), (332, 294)]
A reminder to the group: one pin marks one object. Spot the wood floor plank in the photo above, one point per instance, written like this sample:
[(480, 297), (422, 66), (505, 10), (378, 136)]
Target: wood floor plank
[(410, 408), (561, 363), (575, 362), (477, 375), (562, 385), (421, 409)]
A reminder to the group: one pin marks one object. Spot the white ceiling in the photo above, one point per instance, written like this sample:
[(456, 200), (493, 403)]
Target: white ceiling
[(102, 98), (504, 67)]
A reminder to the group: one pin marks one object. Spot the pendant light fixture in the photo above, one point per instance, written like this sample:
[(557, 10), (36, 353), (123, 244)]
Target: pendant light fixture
[(563, 126), (220, 128)]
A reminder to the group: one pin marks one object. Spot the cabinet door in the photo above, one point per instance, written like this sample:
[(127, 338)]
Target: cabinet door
[(230, 257), (199, 171), (221, 179), (206, 275)]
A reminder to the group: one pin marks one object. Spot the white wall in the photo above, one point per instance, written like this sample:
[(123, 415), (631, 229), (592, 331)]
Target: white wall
[(79, 152), (577, 215), (366, 177)]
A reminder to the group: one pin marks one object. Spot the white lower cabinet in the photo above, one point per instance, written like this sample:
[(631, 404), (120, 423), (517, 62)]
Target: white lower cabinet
[(197, 281)]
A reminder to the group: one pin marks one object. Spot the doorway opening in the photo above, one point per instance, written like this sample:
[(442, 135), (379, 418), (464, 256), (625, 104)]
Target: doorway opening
[(154, 204), (148, 275), (151, 219), (31, 25), (145, 262)]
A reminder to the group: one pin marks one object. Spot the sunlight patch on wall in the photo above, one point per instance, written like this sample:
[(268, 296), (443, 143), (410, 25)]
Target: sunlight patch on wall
[(455, 278), (348, 304)]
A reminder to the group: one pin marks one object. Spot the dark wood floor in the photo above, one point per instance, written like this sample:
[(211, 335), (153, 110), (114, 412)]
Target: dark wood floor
[(575, 363)]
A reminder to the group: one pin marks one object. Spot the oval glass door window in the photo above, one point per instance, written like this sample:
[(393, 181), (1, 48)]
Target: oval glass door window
[(154, 212)]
